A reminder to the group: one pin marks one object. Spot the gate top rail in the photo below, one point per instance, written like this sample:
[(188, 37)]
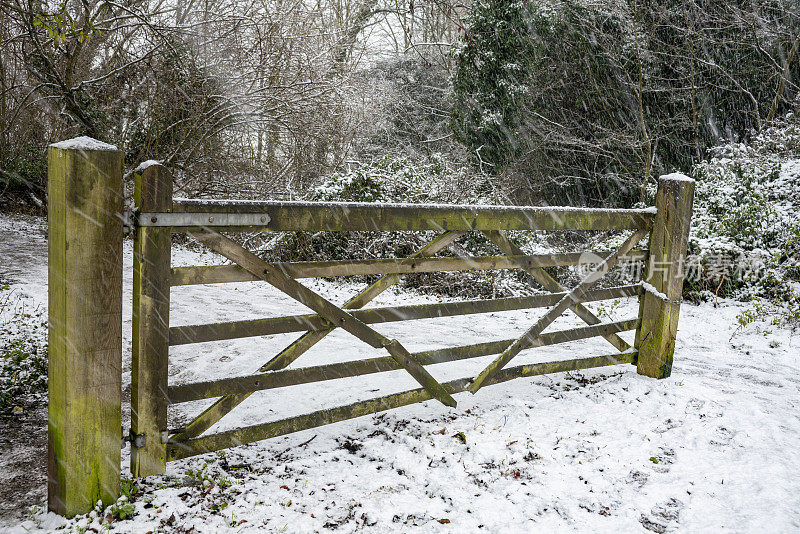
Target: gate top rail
[(283, 216)]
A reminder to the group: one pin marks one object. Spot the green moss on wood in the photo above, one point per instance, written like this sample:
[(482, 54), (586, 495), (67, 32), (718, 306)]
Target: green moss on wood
[(85, 314)]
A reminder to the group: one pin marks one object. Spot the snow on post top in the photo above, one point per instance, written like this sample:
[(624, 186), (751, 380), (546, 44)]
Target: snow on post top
[(653, 291), (83, 143), (677, 177), (145, 164)]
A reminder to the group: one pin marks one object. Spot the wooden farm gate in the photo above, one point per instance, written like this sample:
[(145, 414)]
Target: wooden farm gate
[(86, 253)]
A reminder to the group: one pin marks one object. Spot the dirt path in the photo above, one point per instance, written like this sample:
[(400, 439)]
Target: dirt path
[(23, 437)]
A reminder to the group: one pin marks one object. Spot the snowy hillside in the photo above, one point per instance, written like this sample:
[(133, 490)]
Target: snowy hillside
[(713, 448)]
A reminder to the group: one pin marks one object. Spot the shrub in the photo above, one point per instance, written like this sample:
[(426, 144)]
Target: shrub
[(573, 101), (23, 353), (745, 238)]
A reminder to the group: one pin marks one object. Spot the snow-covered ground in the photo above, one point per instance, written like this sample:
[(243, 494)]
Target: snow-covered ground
[(712, 448)]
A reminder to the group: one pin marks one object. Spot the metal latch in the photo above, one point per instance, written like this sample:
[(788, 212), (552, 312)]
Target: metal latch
[(136, 440)]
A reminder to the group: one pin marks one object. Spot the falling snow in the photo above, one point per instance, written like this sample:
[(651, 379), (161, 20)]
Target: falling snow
[(711, 448)]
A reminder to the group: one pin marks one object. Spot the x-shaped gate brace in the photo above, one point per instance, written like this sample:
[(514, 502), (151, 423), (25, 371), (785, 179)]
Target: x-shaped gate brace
[(338, 317), (571, 299), (501, 240), (224, 405)]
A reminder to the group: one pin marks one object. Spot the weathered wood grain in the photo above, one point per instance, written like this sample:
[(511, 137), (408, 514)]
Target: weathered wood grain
[(315, 217), (85, 203), (151, 268), (656, 336)]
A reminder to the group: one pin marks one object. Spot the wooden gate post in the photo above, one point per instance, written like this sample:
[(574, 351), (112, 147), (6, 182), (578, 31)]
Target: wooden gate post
[(151, 272), (660, 303), (85, 204)]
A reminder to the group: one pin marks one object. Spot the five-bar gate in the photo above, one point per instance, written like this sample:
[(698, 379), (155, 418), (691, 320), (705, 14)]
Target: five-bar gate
[(159, 215)]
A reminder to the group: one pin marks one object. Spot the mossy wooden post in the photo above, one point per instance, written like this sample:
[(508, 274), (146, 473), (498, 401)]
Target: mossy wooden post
[(151, 272), (660, 303), (85, 324)]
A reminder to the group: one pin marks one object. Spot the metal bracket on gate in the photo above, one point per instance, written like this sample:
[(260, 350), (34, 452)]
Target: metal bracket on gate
[(136, 440), (203, 219), (139, 440)]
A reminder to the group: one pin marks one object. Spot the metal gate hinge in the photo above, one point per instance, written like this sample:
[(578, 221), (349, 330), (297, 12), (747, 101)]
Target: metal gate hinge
[(201, 220), (128, 221), (136, 440)]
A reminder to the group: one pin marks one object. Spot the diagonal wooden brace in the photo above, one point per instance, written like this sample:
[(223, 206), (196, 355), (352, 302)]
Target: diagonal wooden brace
[(406, 359), (502, 241), (309, 339), (573, 297), (224, 405), (270, 274)]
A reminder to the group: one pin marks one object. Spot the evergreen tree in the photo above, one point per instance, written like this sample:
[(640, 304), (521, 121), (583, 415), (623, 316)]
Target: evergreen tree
[(580, 102), (493, 73)]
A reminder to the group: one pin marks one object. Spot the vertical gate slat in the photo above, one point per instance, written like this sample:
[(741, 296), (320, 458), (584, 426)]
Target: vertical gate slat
[(151, 272)]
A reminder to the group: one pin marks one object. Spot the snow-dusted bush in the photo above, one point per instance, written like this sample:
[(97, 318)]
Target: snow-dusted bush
[(745, 238), (579, 101), (23, 353), (433, 179)]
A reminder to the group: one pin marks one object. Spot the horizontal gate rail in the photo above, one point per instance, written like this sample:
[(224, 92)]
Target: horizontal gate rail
[(305, 375), (182, 335), (342, 216), (250, 434), (217, 274)]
